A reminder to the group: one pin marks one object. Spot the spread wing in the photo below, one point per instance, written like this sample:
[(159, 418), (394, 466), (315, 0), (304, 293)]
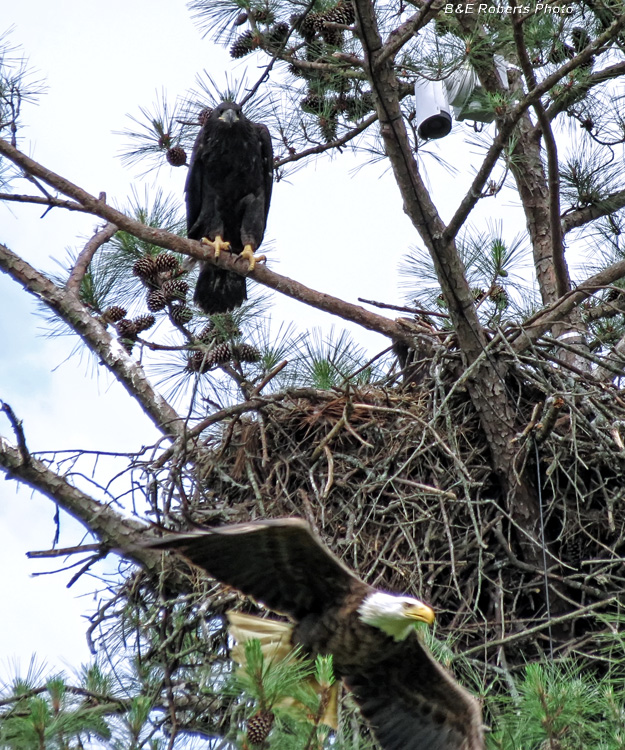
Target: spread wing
[(280, 563), (413, 703)]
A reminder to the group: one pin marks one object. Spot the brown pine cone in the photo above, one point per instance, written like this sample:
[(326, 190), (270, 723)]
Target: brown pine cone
[(259, 726), (166, 262), (143, 322), (114, 314), (175, 289), (156, 300), (176, 156), (145, 268), (180, 314)]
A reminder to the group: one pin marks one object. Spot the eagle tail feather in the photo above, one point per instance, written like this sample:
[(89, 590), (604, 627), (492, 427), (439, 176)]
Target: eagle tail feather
[(218, 290), (275, 645)]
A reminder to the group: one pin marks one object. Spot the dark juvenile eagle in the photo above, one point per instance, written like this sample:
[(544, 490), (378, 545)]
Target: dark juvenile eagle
[(228, 192), (410, 701)]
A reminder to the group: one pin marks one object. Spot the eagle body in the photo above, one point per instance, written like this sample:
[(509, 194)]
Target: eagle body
[(228, 192), (410, 701)]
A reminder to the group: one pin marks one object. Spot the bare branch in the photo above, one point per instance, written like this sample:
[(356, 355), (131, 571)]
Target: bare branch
[(38, 200), (86, 256)]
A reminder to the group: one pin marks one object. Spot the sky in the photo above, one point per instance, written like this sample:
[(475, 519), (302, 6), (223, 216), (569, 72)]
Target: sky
[(100, 63)]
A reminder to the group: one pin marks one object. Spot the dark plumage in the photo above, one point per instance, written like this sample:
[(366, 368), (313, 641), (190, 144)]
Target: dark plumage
[(411, 702), (228, 192)]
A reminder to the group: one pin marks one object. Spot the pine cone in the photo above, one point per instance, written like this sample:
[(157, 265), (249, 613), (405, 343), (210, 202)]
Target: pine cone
[(166, 262), (343, 13), (277, 35), (246, 353), (327, 126), (221, 354), (198, 361), (114, 314), (309, 25), (156, 300), (499, 295), (243, 45), (180, 314), (333, 37), (204, 115), (241, 19), (259, 726), (313, 104), (176, 156), (127, 329), (207, 334), (145, 268), (143, 322), (263, 15), (175, 289)]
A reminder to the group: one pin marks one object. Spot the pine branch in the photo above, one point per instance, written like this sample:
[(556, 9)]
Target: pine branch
[(336, 143), (97, 338), (604, 207), (38, 200), (161, 238), (113, 529), (86, 256), (533, 328)]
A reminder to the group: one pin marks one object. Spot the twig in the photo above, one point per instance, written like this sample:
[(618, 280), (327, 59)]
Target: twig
[(537, 628), (18, 429)]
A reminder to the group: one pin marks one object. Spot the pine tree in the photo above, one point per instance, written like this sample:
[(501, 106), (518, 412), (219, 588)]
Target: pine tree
[(476, 460)]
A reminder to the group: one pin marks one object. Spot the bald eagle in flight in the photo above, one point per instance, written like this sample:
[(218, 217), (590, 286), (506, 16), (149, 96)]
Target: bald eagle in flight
[(228, 191), (410, 701)]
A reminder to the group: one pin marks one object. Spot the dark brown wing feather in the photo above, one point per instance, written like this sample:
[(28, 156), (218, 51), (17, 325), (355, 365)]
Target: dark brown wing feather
[(280, 563), (266, 150), (412, 703)]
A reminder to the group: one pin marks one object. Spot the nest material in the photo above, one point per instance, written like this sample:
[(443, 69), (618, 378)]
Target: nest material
[(401, 487)]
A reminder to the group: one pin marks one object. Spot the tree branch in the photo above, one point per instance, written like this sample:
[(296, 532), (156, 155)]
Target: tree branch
[(86, 256), (97, 338), (585, 215), (557, 247), (161, 238), (533, 328), (38, 200)]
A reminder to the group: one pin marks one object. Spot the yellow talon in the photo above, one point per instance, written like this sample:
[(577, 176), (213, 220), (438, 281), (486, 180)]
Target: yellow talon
[(248, 254), (217, 246)]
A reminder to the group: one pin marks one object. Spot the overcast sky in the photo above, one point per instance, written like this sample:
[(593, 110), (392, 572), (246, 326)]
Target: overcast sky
[(102, 62)]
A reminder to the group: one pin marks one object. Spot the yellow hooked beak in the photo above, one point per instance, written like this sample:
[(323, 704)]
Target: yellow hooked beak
[(420, 612)]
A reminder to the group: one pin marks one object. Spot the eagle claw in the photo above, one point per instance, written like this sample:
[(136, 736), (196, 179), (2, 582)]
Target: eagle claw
[(248, 254), (217, 245)]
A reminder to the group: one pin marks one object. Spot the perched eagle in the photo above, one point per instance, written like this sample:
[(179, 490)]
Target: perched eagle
[(228, 191), (409, 700)]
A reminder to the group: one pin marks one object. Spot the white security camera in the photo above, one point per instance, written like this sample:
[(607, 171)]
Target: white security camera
[(466, 95), (432, 109), (462, 91)]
